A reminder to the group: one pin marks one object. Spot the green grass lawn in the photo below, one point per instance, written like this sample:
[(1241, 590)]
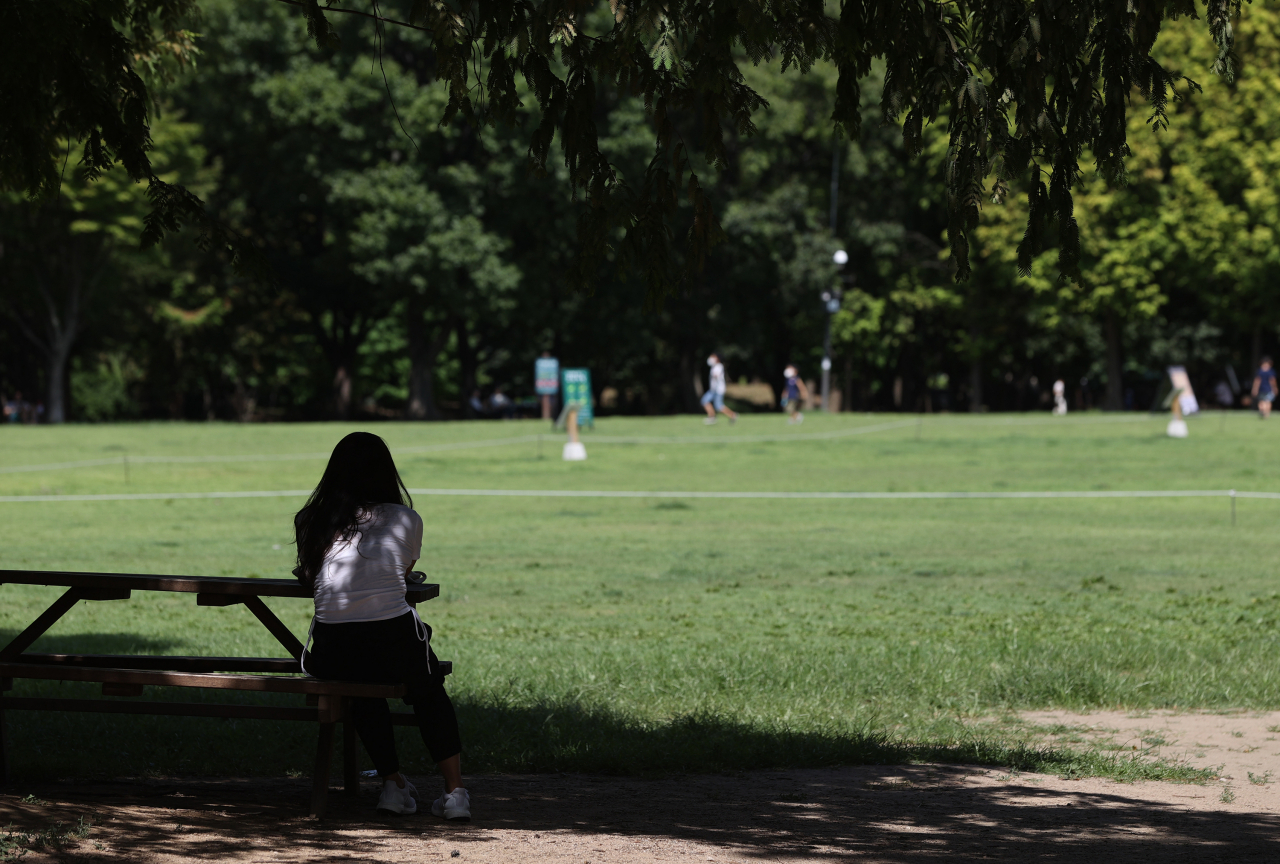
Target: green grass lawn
[(648, 635)]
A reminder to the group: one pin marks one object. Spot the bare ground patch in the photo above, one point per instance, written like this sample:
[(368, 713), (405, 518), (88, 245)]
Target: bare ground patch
[(875, 814), (1242, 748)]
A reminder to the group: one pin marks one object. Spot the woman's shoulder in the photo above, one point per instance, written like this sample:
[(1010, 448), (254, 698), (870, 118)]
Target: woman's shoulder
[(397, 514)]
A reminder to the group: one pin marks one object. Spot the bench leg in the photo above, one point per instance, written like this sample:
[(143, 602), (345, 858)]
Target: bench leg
[(4, 749), (350, 759), (47, 619), (320, 780)]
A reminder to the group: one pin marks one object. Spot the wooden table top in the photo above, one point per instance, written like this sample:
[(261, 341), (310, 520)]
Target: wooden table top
[(229, 585)]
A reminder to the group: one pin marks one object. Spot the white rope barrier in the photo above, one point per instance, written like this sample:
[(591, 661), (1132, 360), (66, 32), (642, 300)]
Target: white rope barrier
[(845, 496), (610, 493), (154, 496)]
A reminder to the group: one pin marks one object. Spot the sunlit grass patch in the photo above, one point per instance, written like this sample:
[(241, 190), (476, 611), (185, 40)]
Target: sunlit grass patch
[(641, 636)]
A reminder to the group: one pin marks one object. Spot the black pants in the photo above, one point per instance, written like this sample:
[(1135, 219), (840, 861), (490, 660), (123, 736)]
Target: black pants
[(387, 652)]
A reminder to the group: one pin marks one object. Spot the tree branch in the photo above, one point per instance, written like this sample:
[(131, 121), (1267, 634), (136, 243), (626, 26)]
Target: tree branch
[(361, 14)]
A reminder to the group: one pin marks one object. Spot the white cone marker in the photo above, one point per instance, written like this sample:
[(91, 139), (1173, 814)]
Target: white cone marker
[(574, 451)]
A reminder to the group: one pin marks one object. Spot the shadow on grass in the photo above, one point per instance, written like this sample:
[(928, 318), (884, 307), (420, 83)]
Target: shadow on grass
[(571, 737), (538, 738), (94, 643)]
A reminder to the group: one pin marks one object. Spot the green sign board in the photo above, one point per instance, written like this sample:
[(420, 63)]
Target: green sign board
[(576, 390)]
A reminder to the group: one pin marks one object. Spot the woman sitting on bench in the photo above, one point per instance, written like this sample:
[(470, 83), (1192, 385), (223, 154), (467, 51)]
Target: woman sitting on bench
[(358, 539)]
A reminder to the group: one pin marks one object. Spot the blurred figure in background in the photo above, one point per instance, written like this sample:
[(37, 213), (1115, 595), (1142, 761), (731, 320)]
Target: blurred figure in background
[(1264, 387), (715, 393), (794, 391), (501, 405), (1222, 394), (1059, 397), (17, 409)]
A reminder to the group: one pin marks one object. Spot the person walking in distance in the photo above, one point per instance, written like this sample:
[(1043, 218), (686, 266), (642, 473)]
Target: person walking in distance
[(1264, 387), (713, 399), (793, 392), (1059, 397)]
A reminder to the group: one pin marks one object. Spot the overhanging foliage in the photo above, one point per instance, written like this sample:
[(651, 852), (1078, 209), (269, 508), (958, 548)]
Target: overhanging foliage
[(1027, 88)]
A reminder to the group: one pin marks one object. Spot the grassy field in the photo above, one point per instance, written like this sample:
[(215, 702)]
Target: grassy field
[(645, 635)]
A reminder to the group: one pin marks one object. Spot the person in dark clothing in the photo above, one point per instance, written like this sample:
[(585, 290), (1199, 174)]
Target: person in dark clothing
[(793, 393), (358, 539), (1264, 387)]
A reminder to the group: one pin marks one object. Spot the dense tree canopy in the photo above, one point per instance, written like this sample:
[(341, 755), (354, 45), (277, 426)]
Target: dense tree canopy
[(417, 263), (1027, 87), (1191, 236)]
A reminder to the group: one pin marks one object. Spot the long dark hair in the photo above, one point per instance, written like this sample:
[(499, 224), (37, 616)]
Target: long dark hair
[(360, 475)]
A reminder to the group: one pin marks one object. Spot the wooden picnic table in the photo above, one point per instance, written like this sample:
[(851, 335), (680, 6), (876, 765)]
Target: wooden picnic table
[(126, 674)]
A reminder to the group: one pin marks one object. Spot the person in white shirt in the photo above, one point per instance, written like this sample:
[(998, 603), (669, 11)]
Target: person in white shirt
[(1059, 397), (715, 394), (358, 539)]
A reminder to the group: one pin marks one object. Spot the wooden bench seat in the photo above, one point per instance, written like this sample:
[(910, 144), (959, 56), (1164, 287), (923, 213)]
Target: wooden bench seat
[(327, 701)]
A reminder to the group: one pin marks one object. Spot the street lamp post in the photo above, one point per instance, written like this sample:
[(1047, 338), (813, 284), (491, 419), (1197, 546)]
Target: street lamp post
[(831, 300)]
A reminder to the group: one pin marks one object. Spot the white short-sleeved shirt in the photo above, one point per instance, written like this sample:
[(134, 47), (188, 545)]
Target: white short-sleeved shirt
[(362, 579), (717, 378)]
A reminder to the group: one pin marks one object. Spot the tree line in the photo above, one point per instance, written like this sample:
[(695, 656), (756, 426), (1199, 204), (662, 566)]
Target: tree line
[(412, 264)]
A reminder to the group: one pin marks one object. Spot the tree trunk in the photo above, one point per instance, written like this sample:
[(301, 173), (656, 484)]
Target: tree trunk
[(847, 402), (977, 319), (77, 272), (466, 367), (690, 385), (243, 402), (975, 385), (62, 336), (341, 394), (1114, 400), (55, 392), (341, 341), (424, 347), (175, 397)]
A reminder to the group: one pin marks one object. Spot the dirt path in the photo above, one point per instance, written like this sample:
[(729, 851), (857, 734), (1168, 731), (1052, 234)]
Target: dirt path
[(1243, 749), (873, 814)]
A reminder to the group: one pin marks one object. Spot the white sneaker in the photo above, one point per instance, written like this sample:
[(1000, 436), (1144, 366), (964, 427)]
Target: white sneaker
[(709, 421), (400, 802), (454, 806)]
